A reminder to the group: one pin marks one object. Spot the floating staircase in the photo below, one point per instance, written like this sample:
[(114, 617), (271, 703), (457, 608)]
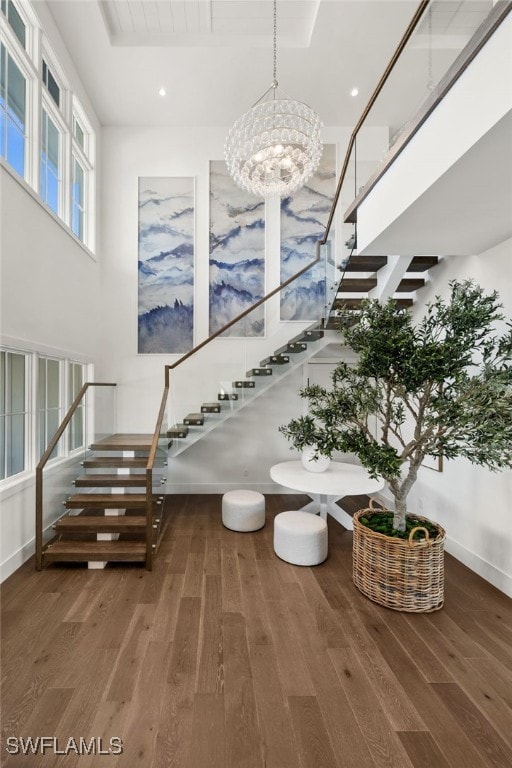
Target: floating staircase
[(242, 391), (107, 519), (360, 278)]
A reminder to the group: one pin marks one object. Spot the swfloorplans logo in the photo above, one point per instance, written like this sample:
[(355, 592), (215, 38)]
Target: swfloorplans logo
[(42, 745)]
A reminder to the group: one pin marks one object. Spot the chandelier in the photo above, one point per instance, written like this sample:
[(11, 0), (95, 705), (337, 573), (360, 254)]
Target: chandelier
[(275, 147)]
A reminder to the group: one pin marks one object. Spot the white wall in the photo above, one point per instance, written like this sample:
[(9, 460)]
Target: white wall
[(49, 301), (473, 504), (49, 292), (50, 283)]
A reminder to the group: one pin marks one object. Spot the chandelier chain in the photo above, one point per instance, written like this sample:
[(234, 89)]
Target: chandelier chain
[(275, 147), (274, 81)]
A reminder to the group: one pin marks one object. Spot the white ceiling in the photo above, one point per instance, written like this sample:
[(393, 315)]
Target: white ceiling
[(214, 57)]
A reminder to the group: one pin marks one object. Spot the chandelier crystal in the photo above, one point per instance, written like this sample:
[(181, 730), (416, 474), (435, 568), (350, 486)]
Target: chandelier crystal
[(275, 147)]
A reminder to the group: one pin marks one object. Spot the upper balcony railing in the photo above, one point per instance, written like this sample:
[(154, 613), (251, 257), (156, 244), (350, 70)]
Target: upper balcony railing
[(437, 47)]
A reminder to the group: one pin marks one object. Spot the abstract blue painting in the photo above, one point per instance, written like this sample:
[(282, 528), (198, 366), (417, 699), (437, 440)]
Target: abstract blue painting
[(237, 254), (166, 265), (303, 220)]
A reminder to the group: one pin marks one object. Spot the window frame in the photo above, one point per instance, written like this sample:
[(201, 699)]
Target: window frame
[(59, 125), (29, 60), (8, 478), (33, 410)]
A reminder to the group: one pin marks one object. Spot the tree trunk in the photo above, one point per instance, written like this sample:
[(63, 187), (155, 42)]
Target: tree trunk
[(399, 514)]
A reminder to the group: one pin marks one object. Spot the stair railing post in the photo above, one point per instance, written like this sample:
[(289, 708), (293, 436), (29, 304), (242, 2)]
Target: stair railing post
[(149, 519), (39, 518)]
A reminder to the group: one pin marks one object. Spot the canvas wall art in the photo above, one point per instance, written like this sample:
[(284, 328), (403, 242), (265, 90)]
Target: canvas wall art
[(166, 265), (237, 254), (303, 220)]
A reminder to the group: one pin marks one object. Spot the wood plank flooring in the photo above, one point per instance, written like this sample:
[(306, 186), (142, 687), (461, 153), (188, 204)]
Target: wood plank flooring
[(226, 657)]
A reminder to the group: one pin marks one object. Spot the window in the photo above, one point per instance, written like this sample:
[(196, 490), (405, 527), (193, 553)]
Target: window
[(15, 21), (78, 200), (35, 393), (13, 88), (50, 162), (78, 133), (48, 401), (81, 174), (77, 426), (13, 413), (51, 83), (52, 147)]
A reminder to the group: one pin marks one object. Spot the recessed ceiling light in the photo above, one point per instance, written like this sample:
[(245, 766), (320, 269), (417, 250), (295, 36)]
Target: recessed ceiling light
[(354, 91), (162, 92)]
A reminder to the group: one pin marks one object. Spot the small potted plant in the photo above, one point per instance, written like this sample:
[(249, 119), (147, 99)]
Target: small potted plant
[(441, 387)]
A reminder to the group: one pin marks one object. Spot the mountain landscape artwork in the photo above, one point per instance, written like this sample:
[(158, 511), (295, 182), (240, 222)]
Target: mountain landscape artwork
[(237, 254), (166, 265), (303, 220)]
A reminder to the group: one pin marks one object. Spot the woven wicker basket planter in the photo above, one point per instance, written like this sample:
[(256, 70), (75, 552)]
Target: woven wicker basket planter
[(403, 574)]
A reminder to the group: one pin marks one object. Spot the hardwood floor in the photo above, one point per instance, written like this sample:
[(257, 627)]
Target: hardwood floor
[(226, 657)]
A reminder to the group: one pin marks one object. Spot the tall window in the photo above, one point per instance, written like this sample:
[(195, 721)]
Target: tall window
[(78, 200), (48, 401), (13, 413), (59, 133), (13, 90), (77, 426), (50, 162)]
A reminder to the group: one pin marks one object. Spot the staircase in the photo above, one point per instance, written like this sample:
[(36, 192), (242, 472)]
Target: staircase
[(107, 520), (360, 279), (240, 392)]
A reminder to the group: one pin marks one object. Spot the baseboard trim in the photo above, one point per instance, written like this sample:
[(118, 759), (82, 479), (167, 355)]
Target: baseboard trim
[(220, 489), (477, 564), (16, 560)]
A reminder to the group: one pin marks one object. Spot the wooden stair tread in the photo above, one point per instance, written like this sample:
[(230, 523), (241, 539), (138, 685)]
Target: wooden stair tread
[(97, 481), (308, 334), (358, 285), (210, 408), (366, 263), (100, 524), (422, 263), (105, 500), (264, 371), (409, 284), (83, 551), (275, 360), (293, 347), (345, 303), (178, 430), (124, 442), (115, 461), (194, 419)]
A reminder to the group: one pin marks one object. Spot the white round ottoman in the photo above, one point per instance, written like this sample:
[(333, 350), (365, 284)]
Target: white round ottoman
[(243, 510), (300, 538)]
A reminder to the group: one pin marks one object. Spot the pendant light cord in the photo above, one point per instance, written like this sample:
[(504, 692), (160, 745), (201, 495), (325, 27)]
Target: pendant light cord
[(274, 81)]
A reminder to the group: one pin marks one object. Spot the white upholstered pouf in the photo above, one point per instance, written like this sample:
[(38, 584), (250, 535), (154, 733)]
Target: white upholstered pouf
[(300, 538), (243, 510)]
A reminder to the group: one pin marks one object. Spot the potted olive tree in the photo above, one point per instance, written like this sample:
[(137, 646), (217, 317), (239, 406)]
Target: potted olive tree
[(441, 387)]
